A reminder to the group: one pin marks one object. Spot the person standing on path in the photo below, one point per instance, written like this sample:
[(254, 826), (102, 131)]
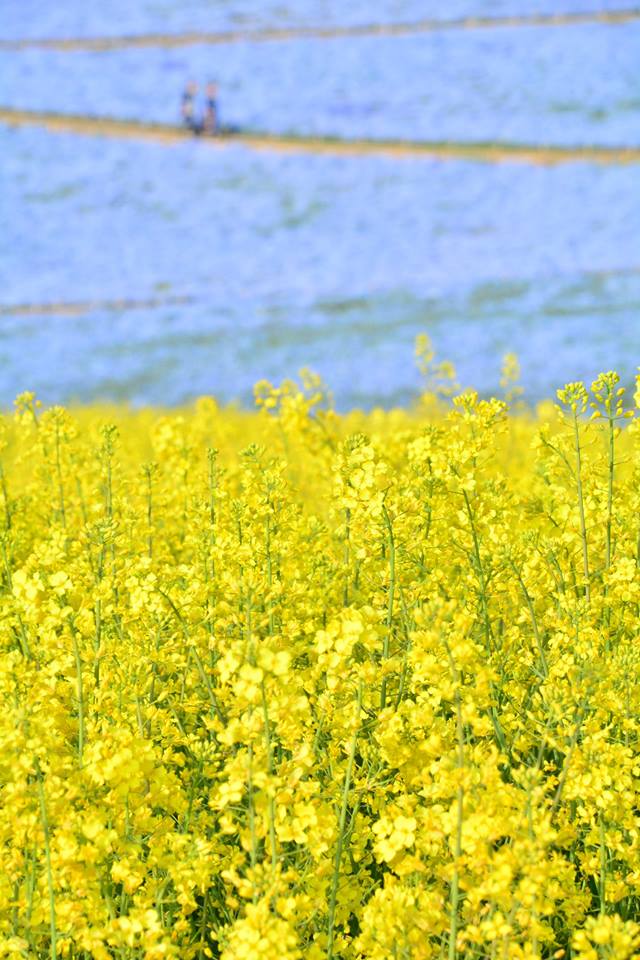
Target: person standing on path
[(187, 107), (210, 120)]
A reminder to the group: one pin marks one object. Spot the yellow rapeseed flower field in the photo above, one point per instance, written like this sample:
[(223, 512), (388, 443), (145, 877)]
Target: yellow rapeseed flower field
[(293, 684)]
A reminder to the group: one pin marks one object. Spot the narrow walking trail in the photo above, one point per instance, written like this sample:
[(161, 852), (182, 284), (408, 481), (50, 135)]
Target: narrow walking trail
[(295, 33), (77, 308), (290, 143)]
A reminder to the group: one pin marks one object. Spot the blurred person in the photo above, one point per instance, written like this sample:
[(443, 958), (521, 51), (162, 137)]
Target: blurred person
[(187, 107), (210, 119)]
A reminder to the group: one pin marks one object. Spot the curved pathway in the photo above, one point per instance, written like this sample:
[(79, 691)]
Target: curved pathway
[(77, 308), (295, 33), (290, 143), (74, 308)]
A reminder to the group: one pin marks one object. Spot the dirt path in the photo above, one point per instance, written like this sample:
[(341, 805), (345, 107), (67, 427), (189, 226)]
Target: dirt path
[(77, 308), (295, 33), (167, 134)]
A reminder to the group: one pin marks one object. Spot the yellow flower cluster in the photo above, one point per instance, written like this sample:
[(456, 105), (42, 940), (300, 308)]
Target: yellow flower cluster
[(292, 684)]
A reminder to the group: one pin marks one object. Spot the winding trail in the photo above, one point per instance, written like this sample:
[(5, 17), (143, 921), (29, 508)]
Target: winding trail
[(300, 144), (295, 33), (78, 308)]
